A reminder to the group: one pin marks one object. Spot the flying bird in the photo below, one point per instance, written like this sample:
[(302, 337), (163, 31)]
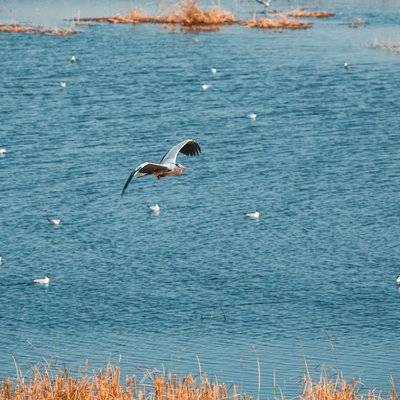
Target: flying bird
[(63, 84), (72, 59), (345, 65), (205, 86), (398, 280), (265, 3), (3, 151), (167, 166), (213, 71)]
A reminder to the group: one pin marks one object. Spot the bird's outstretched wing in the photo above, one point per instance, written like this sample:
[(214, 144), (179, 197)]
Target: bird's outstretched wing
[(143, 170), (189, 147)]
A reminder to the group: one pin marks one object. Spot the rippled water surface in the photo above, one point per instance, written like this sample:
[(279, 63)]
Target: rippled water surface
[(314, 278)]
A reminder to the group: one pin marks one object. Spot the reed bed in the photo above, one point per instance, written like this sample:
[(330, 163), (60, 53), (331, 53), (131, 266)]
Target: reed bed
[(299, 13), (18, 28), (187, 14), (107, 385), (276, 23), (338, 389)]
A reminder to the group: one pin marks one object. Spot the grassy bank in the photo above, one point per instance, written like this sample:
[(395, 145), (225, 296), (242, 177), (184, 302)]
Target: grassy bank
[(108, 384)]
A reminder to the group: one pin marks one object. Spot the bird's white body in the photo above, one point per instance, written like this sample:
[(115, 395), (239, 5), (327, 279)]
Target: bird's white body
[(398, 280), (73, 59), (345, 65), (3, 151), (254, 215), (1, 260), (54, 221), (42, 281), (205, 86), (155, 208), (252, 116), (63, 84), (213, 71)]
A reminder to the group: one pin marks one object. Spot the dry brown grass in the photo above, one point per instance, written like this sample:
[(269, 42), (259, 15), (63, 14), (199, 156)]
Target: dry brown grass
[(299, 13), (339, 389), (187, 14), (18, 28), (276, 23), (108, 385)]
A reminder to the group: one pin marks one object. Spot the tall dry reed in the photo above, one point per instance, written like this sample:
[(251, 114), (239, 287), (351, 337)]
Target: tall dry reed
[(108, 385)]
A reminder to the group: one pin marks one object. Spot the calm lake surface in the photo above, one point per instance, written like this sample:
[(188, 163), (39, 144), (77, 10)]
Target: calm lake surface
[(313, 279)]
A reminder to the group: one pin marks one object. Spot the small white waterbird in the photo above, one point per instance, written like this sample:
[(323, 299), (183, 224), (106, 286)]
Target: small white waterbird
[(345, 65), (252, 116), (63, 84), (42, 281), (213, 71), (73, 59), (3, 151), (205, 86), (155, 208), (1, 260), (54, 221), (398, 280), (254, 215)]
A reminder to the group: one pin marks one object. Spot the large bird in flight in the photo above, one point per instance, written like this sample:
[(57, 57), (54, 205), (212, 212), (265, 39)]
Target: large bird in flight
[(167, 166)]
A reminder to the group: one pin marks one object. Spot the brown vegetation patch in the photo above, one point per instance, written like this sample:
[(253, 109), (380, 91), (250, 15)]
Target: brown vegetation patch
[(188, 15), (106, 385), (109, 385), (276, 23), (17, 28), (299, 12), (338, 389)]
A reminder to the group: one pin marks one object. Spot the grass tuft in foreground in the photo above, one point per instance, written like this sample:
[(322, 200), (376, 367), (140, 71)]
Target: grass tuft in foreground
[(108, 385), (338, 389)]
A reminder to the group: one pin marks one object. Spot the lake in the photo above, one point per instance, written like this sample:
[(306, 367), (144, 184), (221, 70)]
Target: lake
[(313, 280)]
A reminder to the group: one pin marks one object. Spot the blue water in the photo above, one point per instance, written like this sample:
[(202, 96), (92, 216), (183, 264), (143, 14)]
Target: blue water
[(312, 280)]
